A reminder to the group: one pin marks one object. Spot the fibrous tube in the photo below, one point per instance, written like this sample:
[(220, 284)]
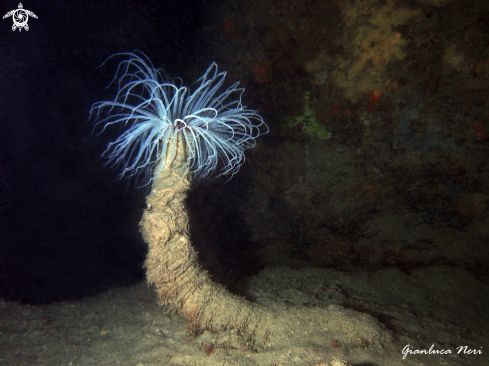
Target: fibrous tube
[(170, 135)]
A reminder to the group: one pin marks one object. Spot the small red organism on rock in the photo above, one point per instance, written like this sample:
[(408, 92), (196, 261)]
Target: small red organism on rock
[(480, 134), (373, 99)]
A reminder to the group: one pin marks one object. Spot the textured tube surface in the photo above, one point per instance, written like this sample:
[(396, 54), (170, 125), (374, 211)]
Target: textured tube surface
[(172, 267)]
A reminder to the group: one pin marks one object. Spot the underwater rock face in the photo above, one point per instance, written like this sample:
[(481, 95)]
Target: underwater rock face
[(374, 44)]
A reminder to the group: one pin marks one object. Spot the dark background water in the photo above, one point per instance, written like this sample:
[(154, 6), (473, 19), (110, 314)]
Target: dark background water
[(68, 226)]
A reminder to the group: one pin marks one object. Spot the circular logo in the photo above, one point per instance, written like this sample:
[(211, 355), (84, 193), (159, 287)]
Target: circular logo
[(20, 18)]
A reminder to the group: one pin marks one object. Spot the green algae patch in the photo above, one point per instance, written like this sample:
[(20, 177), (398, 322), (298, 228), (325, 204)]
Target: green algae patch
[(309, 123)]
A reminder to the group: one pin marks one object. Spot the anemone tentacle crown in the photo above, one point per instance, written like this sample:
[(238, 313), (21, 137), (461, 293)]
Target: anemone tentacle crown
[(154, 110)]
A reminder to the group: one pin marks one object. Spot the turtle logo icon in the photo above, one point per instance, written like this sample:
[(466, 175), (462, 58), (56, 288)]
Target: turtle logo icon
[(20, 17)]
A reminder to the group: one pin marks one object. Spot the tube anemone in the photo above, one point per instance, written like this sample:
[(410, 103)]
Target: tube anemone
[(168, 136), (153, 111)]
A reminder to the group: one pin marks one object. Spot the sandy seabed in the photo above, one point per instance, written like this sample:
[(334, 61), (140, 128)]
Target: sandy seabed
[(368, 311)]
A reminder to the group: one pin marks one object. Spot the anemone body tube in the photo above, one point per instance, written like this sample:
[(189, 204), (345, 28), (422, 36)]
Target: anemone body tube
[(172, 267)]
